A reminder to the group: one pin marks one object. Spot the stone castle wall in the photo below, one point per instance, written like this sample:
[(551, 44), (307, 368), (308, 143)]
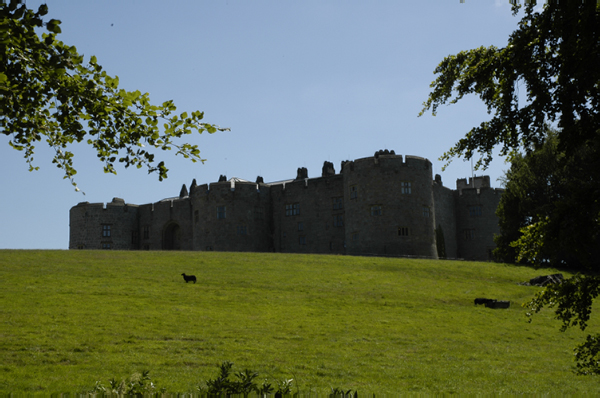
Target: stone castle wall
[(386, 204), (96, 226), (231, 217), (307, 216)]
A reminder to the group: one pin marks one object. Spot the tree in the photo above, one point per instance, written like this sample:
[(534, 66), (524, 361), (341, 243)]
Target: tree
[(547, 75), (48, 93), (556, 197)]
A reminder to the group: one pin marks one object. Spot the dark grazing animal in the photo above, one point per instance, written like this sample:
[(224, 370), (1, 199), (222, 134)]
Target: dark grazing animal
[(483, 301), (189, 278)]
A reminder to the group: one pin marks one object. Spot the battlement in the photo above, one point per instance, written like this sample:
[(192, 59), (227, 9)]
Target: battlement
[(387, 159), (475, 182), (232, 185), (479, 191), (115, 203)]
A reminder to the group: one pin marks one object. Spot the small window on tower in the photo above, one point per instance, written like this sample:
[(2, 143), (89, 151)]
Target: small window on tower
[(475, 211), (403, 231), (338, 203), (292, 209), (338, 220), (406, 187), (106, 231)]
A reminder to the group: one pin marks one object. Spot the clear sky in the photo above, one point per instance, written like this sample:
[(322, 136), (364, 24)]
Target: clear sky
[(298, 83)]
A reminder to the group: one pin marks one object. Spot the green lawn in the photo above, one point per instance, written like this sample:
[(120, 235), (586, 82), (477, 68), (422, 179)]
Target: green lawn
[(375, 325)]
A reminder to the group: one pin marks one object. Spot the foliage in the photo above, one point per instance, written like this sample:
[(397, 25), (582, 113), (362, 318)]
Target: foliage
[(573, 300), (548, 213), (48, 93), (136, 385), (546, 75), (340, 393), (245, 384)]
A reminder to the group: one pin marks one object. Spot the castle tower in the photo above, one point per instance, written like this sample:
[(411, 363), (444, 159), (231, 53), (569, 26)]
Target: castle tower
[(389, 206)]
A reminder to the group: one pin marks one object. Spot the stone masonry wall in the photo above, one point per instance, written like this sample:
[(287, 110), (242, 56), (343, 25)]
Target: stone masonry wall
[(308, 215), (230, 218), (476, 222), (390, 207), (445, 216), (95, 226)]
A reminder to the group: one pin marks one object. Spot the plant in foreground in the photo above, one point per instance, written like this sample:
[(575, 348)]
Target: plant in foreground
[(138, 384), (340, 393), (244, 384)]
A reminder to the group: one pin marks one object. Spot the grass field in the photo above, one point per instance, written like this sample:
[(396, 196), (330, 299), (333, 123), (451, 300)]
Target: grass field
[(375, 325)]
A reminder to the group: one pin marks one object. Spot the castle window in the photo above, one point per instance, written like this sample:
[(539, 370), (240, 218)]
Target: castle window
[(106, 246), (469, 234), (196, 216), (221, 212), (146, 232), (353, 192), (292, 209), (242, 230), (425, 211), (475, 211), (403, 231), (338, 220), (302, 240), (376, 210), (105, 230), (300, 226), (134, 237), (355, 236), (406, 188), (338, 203)]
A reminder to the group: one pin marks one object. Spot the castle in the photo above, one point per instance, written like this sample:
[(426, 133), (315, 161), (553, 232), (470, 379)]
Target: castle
[(386, 204)]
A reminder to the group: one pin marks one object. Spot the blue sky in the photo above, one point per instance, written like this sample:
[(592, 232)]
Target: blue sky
[(298, 83)]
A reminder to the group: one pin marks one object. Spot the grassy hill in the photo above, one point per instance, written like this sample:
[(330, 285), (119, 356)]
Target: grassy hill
[(383, 325)]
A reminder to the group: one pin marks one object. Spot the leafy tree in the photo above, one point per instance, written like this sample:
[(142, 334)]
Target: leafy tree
[(547, 74), (48, 93)]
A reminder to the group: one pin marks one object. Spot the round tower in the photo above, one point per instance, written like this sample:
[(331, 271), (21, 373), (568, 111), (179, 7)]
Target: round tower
[(389, 206)]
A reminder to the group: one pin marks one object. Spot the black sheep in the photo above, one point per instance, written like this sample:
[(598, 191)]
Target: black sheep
[(189, 278)]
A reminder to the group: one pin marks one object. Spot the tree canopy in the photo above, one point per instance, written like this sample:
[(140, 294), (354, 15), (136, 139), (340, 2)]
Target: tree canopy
[(48, 93), (547, 75)]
